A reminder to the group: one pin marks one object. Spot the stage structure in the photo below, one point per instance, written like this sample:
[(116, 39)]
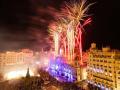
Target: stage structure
[(62, 71)]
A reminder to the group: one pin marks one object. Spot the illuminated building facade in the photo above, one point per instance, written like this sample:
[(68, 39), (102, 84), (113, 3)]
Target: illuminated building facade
[(62, 71), (66, 72), (104, 68), (14, 58)]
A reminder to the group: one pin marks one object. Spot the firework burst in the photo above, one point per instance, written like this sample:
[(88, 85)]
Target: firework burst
[(76, 11), (69, 29)]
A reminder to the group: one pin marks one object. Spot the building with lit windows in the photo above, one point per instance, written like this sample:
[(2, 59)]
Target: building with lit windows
[(14, 58), (104, 68)]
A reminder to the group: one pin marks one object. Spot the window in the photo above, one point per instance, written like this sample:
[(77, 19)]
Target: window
[(101, 60), (119, 72), (105, 66), (105, 70), (105, 61), (110, 71)]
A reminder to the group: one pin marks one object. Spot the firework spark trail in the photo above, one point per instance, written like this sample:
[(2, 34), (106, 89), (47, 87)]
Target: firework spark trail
[(79, 30), (71, 42), (80, 41), (65, 47), (69, 37), (75, 12), (56, 42)]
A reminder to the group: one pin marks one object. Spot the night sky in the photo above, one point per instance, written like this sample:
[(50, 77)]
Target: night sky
[(24, 23)]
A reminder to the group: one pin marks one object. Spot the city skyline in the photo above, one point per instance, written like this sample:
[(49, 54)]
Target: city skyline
[(59, 44)]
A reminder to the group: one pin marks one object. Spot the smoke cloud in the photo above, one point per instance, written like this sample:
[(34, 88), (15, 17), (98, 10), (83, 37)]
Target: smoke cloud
[(24, 23)]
